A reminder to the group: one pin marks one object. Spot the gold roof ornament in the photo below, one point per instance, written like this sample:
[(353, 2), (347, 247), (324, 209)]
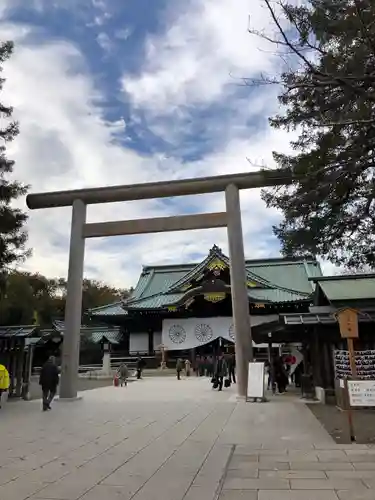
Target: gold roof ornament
[(214, 297), (251, 284), (172, 308), (216, 264), (259, 306)]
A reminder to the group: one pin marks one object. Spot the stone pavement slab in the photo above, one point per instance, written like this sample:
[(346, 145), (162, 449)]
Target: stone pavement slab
[(356, 495), (327, 484), (179, 441), (293, 474), (364, 465), (297, 495), (238, 495)]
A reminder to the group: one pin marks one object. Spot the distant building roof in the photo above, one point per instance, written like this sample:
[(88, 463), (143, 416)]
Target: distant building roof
[(94, 334), (33, 334), (324, 318), (275, 280), (17, 331), (347, 287)]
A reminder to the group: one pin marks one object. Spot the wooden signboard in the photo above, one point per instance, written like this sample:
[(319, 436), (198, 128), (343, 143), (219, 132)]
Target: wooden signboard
[(348, 323)]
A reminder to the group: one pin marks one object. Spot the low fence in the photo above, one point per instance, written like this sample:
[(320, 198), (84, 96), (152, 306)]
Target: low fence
[(115, 360), (81, 369)]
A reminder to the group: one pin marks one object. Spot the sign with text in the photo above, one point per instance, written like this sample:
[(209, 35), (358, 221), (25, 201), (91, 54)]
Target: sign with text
[(361, 392), (348, 322), (256, 381)]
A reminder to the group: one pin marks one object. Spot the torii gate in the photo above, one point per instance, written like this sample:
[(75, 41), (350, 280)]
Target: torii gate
[(80, 229)]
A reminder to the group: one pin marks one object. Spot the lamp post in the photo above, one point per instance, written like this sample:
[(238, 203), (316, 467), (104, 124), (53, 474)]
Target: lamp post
[(106, 364)]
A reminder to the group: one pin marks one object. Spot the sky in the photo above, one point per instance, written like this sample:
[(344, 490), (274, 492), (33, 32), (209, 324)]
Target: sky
[(116, 92)]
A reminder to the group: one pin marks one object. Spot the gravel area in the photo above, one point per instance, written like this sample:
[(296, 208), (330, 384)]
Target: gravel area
[(335, 422)]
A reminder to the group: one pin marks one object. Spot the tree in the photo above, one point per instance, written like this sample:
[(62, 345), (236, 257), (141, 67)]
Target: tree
[(352, 271), (328, 94), (13, 236), (32, 298)]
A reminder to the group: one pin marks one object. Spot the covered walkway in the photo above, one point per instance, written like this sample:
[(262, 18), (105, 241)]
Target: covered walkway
[(160, 438)]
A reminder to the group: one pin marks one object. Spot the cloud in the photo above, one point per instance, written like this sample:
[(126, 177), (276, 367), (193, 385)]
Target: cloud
[(66, 141), (189, 86), (202, 52), (104, 41), (124, 33)]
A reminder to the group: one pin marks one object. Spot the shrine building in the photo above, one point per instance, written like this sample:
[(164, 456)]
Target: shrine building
[(188, 306)]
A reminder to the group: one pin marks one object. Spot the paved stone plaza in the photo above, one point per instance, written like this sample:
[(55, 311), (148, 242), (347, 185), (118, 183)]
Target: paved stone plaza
[(159, 438)]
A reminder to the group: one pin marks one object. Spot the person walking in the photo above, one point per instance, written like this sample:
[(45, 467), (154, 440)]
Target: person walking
[(140, 367), (201, 366), (123, 374), (279, 375), (232, 368), (179, 367), (297, 374), (197, 365), (49, 380), (210, 366), (4, 382), (221, 371), (187, 367)]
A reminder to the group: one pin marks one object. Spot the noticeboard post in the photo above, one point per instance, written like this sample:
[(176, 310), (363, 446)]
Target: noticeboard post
[(256, 381), (347, 318)]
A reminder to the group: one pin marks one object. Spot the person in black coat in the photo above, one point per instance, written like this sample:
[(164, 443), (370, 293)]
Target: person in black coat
[(140, 367), (49, 380), (280, 375), (231, 362), (221, 371)]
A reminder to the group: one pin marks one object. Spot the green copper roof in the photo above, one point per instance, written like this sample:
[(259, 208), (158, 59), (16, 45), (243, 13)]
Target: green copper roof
[(155, 301), (114, 309), (266, 295), (355, 287), (94, 333), (278, 280), (291, 274), (17, 331), (275, 295), (155, 280)]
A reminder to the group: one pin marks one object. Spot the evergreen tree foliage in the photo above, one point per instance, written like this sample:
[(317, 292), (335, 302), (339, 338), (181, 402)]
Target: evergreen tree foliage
[(13, 236), (328, 97)]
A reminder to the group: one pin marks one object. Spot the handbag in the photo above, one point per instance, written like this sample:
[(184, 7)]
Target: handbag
[(227, 382)]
